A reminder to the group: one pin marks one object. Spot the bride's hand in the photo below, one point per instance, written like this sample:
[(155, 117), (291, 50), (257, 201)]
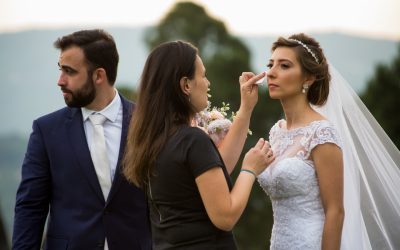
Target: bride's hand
[(249, 90)]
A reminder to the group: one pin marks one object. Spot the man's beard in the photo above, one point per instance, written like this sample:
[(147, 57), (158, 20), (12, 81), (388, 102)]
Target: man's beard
[(81, 97)]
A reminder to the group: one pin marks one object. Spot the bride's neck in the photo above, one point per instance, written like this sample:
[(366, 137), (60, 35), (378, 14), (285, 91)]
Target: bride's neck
[(298, 113)]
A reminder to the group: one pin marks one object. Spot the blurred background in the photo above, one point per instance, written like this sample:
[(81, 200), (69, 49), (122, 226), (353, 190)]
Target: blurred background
[(362, 40)]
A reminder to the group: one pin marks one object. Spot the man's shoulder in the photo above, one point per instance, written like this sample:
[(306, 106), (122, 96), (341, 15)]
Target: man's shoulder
[(128, 106), (56, 115)]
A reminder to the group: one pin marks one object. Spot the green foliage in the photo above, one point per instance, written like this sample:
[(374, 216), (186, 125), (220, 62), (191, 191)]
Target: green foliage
[(127, 92), (225, 58), (382, 97)]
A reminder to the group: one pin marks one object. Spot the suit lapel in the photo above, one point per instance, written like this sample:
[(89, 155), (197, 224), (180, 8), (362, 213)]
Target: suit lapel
[(127, 108), (76, 134)]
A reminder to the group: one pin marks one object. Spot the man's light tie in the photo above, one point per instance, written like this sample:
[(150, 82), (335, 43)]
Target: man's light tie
[(99, 153)]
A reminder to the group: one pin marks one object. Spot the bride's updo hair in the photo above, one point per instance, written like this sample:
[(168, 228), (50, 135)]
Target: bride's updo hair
[(312, 61)]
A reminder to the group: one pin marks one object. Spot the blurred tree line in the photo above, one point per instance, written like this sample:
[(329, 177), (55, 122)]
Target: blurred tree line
[(225, 58), (382, 97)]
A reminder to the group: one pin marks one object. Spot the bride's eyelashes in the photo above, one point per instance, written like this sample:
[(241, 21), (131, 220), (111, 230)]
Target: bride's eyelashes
[(282, 65), (285, 66)]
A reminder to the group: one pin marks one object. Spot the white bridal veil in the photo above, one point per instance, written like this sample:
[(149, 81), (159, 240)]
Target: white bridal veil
[(371, 171)]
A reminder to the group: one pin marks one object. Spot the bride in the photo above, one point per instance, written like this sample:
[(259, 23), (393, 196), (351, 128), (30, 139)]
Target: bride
[(335, 181)]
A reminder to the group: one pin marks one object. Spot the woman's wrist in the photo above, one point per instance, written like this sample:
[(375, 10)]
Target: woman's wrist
[(248, 171), (244, 113)]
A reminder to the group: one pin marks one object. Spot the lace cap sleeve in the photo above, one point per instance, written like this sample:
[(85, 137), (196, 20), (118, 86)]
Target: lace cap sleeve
[(323, 132)]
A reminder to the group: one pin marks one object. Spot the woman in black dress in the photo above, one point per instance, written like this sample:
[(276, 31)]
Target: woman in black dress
[(192, 203)]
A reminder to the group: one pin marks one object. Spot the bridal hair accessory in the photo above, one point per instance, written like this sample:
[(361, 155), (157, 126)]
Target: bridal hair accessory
[(305, 88), (307, 48)]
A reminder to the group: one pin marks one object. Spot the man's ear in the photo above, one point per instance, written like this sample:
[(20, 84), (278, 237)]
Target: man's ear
[(99, 75), (185, 85)]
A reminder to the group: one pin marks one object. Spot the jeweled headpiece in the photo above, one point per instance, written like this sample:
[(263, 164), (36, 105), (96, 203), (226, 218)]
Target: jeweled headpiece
[(307, 48)]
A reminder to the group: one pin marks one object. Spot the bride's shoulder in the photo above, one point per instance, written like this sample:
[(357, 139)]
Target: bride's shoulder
[(278, 125), (325, 131), (322, 124)]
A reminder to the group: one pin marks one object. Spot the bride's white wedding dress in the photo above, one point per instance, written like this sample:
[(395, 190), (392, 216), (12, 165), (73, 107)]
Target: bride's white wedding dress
[(371, 177), (292, 185)]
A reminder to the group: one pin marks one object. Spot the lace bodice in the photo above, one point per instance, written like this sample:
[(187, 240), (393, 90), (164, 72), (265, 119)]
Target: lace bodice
[(292, 185)]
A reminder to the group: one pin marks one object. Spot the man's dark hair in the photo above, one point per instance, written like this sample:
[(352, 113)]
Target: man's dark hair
[(98, 47)]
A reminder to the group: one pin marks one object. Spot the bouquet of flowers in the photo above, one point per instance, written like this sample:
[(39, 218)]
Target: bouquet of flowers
[(214, 121)]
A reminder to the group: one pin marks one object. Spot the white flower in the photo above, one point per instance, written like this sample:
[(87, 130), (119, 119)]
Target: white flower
[(214, 122), (219, 125), (218, 129), (215, 114)]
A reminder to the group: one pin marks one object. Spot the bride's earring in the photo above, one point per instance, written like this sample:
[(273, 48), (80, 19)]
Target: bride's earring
[(305, 88)]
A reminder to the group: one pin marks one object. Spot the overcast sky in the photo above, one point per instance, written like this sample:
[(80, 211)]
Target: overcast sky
[(377, 18)]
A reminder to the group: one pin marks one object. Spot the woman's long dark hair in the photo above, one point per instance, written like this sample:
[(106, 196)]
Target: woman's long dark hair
[(161, 107)]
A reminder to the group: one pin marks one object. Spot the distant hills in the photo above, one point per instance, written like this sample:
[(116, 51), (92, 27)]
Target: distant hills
[(28, 67), (12, 150)]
